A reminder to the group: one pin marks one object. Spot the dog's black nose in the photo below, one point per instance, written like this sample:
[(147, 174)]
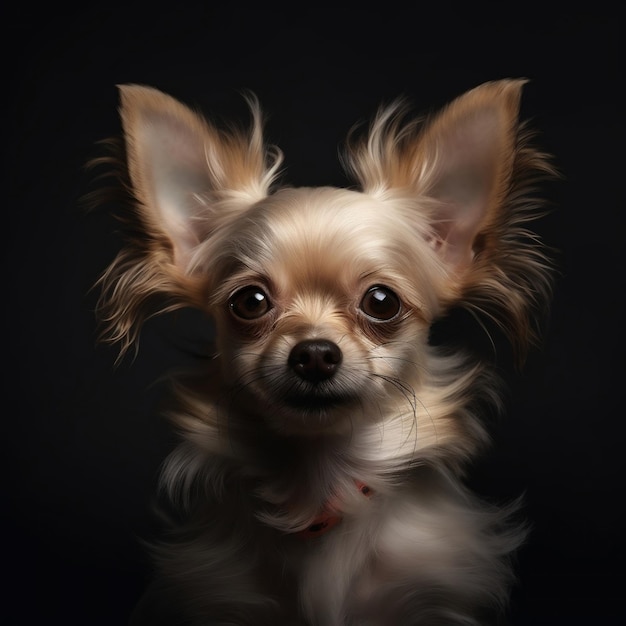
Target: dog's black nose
[(315, 359)]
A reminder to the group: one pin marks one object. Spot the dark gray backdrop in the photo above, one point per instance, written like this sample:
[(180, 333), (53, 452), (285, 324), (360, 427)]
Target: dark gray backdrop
[(82, 441)]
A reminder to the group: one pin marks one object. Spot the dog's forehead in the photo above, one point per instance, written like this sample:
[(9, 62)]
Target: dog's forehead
[(321, 230), (324, 219), (322, 209)]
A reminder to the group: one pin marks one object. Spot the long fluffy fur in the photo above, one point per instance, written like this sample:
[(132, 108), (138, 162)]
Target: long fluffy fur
[(440, 217)]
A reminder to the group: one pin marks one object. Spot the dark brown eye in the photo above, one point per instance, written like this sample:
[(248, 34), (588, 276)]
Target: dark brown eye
[(249, 303), (380, 303)]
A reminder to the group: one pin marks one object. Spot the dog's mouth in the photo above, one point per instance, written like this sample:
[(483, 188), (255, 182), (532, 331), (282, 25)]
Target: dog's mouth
[(318, 400)]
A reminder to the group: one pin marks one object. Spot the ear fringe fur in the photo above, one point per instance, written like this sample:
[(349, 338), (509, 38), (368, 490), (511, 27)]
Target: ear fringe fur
[(133, 287), (512, 276)]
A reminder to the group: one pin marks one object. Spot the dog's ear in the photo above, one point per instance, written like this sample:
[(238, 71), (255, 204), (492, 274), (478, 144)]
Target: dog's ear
[(469, 172), (465, 157), (180, 166), (462, 158), (187, 178)]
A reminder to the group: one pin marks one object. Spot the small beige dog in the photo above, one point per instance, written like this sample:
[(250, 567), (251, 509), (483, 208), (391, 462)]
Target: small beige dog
[(319, 477)]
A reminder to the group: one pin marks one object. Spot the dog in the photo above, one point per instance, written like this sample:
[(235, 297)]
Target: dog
[(320, 475)]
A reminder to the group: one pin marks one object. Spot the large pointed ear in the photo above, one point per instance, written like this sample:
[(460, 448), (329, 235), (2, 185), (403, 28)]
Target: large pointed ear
[(180, 165), (470, 173), (466, 155), (186, 178), (462, 158)]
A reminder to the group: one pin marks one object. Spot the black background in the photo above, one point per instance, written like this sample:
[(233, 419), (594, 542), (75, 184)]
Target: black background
[(82, 443)]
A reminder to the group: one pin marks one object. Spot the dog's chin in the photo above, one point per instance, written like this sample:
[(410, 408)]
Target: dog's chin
[(313, 413)]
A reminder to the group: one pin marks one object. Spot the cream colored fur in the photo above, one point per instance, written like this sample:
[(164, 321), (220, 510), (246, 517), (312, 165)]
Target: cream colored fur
[(322, 300)]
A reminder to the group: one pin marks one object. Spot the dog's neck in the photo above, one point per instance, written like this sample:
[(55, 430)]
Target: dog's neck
[(331, 514), (309, 486)]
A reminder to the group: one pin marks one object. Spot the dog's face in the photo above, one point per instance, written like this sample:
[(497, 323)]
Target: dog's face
[(322, 299)]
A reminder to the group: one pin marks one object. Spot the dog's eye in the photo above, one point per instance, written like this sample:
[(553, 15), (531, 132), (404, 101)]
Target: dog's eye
[(249, 303), (380, 303)]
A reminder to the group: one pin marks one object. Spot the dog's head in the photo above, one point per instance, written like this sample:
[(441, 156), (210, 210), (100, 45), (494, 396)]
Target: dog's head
[(323, 297)]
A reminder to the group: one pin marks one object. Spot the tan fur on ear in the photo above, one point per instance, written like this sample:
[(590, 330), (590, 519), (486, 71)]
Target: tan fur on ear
[(175, 158), (179, 168), (471, 169), (466, 155), (504, 270)]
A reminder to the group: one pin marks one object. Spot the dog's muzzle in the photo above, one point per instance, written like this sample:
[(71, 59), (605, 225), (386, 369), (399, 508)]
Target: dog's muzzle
[(314, 383)]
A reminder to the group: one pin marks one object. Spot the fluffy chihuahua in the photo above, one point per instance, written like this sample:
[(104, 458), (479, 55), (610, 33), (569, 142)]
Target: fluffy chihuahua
[(320, 475)]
